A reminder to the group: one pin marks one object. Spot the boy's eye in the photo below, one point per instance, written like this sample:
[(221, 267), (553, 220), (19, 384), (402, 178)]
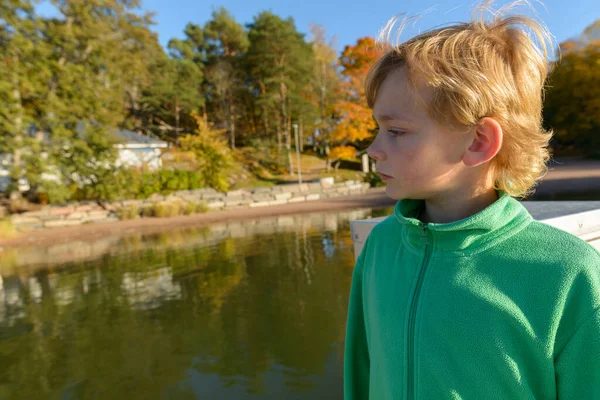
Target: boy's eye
[(395, 133)]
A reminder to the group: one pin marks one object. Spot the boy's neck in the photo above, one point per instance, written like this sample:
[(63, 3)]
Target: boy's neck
[(459, 205)]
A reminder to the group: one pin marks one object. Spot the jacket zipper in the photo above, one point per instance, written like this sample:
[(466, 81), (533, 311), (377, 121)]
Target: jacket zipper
[(413, 311)]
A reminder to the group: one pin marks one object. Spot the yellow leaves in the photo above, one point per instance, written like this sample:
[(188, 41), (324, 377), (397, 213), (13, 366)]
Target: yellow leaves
[(356, 124), (343, 152), (205, 129), (358, 59)]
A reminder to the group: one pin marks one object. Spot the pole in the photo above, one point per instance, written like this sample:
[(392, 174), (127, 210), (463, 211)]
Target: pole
[(297, 153)]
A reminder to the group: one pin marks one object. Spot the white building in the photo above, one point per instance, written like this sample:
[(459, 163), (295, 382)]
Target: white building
[(137, 150), (134, 150)]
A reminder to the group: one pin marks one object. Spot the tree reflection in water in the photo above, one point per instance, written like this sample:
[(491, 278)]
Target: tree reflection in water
[(241, 310)]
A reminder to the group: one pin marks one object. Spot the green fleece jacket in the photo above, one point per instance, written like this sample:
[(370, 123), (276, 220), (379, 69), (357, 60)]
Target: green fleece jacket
[(494, 306)]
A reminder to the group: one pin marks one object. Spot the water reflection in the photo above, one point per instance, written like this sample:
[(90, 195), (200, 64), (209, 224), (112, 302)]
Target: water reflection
[(233, 311)]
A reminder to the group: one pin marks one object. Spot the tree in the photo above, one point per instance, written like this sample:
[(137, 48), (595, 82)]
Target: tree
[(95, 65), (216, 49), (20, 70), (279, 65), (211, 153), (226, 41), (175, 92), (327, 82), (69, 82), (356, 123), (590, 35), (140, 51), (572, 102)]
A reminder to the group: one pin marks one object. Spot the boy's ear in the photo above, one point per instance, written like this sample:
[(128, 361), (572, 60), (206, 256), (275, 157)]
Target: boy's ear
[(487, 142)]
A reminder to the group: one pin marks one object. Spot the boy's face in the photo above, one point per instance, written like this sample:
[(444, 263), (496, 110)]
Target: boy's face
[(422, 158)]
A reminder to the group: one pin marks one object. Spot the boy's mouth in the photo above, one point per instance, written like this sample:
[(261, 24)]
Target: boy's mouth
[(384, 176)]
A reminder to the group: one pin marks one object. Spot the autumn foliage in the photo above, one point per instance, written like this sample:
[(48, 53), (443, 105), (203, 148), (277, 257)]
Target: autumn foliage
[(356, 123)]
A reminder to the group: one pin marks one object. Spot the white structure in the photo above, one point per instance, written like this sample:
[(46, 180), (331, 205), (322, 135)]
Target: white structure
[(137, 150), (134, 150), (580, 218)]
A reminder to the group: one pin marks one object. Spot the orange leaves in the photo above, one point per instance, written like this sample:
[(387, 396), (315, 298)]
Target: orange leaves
[(356, 123), (343, 153), (358, 59)]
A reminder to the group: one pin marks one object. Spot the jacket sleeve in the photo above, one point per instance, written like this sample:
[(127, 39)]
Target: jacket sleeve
[(356, 351), (577, 366)]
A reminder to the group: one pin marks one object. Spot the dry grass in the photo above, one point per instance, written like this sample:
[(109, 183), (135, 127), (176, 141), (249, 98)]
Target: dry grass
[(7, 230), (128, 212)]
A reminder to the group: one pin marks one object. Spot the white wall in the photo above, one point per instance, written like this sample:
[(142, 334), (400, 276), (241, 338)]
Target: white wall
[(140, 157)]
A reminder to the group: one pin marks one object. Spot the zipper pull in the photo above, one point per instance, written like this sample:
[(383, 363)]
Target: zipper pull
[(424, 237)]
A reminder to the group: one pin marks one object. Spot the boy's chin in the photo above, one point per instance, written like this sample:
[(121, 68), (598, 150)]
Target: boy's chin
[(395, 193)]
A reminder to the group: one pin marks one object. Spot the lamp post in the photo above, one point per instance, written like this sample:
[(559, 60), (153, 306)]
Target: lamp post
[(295, 126)]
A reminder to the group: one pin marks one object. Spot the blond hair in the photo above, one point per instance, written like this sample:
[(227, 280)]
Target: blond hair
[(483, 69)]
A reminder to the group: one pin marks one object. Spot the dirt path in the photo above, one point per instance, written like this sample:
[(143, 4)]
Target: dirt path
[(374, 198)]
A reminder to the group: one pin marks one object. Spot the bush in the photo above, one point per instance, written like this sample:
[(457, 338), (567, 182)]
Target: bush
[(212, 153), (159, 210), (121, 184), (190, 208), (201, 208), (7, 230), (131, 184), (53, 192), (374, 179), (195, 208), (167, 209), (128, 212), (147, 211)]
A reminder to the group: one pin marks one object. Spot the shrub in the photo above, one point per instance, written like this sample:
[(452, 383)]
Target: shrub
[(212, 153), (201, 207), (374, 179), (147, 211), (167, 209), (195, 208), (129, 212), (7, 230)]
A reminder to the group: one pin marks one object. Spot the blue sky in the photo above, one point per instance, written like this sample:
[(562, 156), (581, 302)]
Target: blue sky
[(350, 19)]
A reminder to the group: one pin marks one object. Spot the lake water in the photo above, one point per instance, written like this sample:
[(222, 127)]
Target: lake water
[(250, 310)]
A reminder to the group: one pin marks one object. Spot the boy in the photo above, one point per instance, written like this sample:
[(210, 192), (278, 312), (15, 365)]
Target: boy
[(460, 294)]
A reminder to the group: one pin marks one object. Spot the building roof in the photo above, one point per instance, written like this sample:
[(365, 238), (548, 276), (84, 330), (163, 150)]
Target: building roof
[(129, 138)]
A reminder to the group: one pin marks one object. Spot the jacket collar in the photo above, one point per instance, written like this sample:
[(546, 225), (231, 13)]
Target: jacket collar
[(475, 233)]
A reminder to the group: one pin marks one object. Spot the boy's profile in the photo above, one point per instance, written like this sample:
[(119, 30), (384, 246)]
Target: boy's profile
[(460, 294)]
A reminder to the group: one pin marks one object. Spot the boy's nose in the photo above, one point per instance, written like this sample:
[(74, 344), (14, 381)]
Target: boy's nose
[(375, 153)]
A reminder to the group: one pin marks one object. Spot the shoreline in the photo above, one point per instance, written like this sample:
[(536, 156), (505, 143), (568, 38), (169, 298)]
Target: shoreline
[(373, 198), (566, 176)]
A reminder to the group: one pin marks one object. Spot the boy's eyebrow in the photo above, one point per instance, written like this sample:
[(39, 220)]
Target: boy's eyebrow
[(389, 118)]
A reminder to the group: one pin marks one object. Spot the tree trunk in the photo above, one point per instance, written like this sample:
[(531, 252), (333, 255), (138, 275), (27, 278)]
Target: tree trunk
[(232, 128), (286, 123), (176, 122), (327, 161), (16, 171), (265, 115), (301, 136), (288, 143), (266, 123), (231, 120), (279, 142)]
